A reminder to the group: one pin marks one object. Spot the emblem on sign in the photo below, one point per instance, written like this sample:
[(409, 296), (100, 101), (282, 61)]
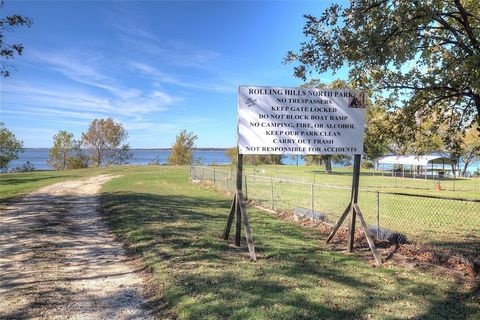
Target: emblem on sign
[(357, 102), (250, 102)]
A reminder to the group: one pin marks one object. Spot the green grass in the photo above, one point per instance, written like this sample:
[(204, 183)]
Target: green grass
[(174, 227), (14, 185), (459, 188), (442, 223)]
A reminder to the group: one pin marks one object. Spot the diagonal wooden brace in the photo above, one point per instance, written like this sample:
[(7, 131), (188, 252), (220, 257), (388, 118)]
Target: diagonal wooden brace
[(339, 222), (226, 232), (246, 226), (371, 244)]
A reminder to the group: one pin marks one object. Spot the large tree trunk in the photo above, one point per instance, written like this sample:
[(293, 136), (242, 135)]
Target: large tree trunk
[(454, 170), (476, 98), (465, 166), (98, 158), (328, 163)]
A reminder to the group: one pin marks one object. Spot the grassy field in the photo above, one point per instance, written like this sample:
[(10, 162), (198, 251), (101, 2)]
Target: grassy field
[(373, 180), (174, 227), (442, 223)]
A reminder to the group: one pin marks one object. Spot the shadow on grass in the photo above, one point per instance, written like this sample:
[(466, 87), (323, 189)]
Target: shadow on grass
[(467, 246), (48, 245), (19, 180), (29, 178), (200, 276)]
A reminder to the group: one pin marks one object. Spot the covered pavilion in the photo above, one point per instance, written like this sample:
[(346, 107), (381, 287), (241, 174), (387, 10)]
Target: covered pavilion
[(415, 162)]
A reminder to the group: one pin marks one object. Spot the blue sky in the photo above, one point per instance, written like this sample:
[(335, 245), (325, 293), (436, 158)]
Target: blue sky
[(155, 66)]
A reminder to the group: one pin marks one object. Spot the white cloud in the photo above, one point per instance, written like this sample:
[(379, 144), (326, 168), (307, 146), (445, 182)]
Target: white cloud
[(175, 53), (62, 105), (50, 113), (166, 98), (157, 75), (55, 97), (77, 69)]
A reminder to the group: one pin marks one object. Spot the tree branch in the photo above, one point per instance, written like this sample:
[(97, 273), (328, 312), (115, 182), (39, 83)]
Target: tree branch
[(466, 24), (454, 31), (374, 5), (413, 87)]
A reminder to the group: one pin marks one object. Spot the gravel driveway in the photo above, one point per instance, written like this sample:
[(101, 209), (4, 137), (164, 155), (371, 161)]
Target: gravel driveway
[(59, 261)]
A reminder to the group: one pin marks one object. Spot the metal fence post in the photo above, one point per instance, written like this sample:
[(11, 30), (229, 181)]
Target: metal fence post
[(246, 188), (378, 214), (203, 173), (312, 201), (272, 197), (214, 179)]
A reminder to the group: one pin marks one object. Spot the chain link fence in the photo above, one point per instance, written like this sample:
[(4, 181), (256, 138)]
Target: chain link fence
[(427, 181), (375, 179), (440, 222)]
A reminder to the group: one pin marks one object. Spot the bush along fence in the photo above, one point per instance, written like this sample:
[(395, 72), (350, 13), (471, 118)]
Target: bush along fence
[(439, 222)]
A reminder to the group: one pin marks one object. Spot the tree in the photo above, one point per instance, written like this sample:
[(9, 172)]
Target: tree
[(10, 146), (78, 157), (66, 152), (103, 139), (182, 149), (254, 159), (422, 55), (258, 159), (122, 155), (326, 160), (342, 159), (9, 51), (421, 138), (470, 147), (60, 151), (377, 126), (231, 153), (313, 160), (377, 132)]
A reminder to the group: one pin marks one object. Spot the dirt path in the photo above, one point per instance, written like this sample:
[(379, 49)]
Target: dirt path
[(58, 260)]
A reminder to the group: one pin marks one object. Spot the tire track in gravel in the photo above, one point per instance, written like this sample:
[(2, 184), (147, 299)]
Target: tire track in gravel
[(59, 261)]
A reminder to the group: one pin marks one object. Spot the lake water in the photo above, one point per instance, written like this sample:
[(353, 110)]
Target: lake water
[(38, 157)]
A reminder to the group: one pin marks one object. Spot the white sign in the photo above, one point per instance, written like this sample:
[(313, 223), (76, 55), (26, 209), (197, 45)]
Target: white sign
[(273, 120)]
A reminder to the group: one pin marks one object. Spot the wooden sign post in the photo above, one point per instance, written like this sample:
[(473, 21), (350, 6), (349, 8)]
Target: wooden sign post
[(239, 210), (293, 121), (354, 208)]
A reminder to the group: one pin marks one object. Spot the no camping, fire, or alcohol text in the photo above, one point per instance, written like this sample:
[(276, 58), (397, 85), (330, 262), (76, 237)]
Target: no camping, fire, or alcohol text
[(300, 121)]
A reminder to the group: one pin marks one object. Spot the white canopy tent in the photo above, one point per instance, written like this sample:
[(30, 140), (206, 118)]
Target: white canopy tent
[(417, 161)]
